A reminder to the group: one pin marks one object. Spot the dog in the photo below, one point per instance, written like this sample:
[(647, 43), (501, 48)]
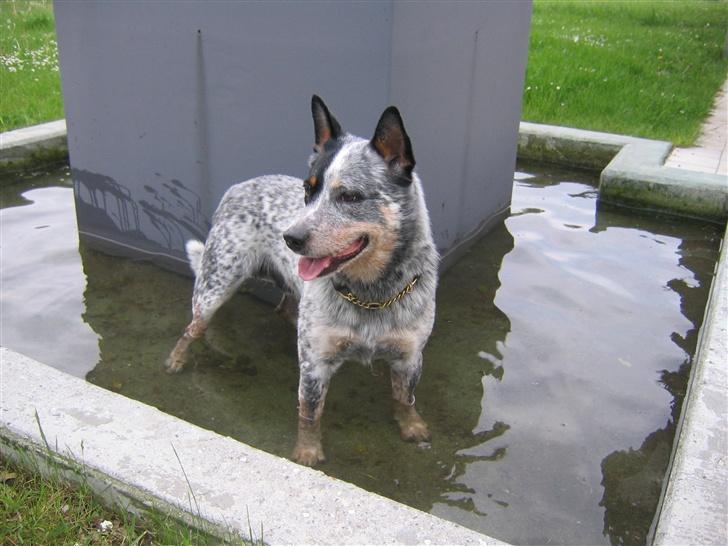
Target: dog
[(352, 245)]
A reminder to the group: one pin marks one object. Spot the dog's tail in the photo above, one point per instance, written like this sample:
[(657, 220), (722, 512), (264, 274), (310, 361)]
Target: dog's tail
[(194, 250)]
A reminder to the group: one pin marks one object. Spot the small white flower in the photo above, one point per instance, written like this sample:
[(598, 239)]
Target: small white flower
[(106, 526)]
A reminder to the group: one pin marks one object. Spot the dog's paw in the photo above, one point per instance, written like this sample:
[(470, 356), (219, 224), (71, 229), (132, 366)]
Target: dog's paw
[(412, 427), (174, 365), (308, 455), (414, 430)]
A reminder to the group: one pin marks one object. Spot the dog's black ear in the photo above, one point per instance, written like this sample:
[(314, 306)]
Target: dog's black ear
[(324, 124), (390, 140)]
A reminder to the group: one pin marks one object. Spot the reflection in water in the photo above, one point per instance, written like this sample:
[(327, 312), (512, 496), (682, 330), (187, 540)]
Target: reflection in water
[(41, 278), (632, 478), (552, 381)]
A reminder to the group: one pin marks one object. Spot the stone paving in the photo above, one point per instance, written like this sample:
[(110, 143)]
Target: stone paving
[(709, 155)]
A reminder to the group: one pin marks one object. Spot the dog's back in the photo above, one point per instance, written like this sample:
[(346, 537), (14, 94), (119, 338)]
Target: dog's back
[(246, 238)]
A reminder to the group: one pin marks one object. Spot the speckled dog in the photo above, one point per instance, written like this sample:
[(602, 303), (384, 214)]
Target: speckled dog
[(353, 244)]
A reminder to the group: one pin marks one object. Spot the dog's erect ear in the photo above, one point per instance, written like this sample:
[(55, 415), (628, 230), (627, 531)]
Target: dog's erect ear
[(390, 140), (324, 124)]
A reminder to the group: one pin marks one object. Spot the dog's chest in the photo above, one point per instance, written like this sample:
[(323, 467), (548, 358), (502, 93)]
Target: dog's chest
[(349, 344)]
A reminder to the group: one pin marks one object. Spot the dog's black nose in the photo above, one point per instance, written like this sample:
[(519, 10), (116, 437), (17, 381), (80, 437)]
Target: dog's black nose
[(295, 241)]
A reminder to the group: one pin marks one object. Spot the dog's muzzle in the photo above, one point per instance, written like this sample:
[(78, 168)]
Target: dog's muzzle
[(295, 240)]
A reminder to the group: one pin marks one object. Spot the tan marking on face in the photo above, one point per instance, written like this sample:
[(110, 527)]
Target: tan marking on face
[(312, 181), (334, 184), (370, 264)]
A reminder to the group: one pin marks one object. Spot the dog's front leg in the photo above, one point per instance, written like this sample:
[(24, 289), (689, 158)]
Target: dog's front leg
[(312, 387), (405, 375)]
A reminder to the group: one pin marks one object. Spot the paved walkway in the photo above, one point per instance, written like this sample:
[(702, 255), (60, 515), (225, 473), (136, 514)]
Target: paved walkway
[(709, 155)]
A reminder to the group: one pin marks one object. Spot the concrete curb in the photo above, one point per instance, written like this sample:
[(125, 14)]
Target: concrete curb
[(141, 459), (695, 505), (31, 147), (633, 173)]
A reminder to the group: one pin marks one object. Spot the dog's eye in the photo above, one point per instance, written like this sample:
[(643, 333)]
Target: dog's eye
[(351, 197)]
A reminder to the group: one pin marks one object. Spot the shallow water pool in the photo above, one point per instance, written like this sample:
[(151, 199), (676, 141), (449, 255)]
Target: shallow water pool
[(552, 382)]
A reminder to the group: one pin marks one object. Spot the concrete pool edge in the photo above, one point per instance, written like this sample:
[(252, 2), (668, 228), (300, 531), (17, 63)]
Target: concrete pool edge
[(141, 458), (633, 171), (694, 508), (33, 147)]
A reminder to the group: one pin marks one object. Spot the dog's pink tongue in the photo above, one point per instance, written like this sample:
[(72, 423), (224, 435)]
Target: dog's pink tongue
[(310, 268)]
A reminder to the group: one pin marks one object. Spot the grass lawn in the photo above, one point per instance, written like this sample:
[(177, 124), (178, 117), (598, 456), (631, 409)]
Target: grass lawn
[(646, 68), (30, 85), (36, 510), (643, 68)]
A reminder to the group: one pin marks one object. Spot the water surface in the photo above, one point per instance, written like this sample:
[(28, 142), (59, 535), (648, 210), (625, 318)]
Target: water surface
[(552, 381)]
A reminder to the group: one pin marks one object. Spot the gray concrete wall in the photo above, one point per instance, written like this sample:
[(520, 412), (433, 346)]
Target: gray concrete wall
[(168, 105), (457, 75)]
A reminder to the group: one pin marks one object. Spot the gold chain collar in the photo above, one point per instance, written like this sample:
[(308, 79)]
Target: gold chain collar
[(378, 305)]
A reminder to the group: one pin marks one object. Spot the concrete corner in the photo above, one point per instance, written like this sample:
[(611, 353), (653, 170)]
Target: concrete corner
[(633, 171), (637, 177)]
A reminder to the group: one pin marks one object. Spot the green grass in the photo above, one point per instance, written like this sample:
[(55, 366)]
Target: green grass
[(643, 68), (35, 510), (646, 68), (30, 85)]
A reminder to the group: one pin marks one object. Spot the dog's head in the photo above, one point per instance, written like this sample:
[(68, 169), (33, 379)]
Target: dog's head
[(358, 197)]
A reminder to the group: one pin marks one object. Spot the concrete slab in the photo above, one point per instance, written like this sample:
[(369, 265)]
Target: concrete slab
[(695, 506), (695, 159), (139, 457), (712, 142), (33, 146), (713, 133)]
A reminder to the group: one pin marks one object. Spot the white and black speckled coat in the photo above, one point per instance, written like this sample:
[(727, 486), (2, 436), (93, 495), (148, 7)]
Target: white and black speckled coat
[(357, 224)]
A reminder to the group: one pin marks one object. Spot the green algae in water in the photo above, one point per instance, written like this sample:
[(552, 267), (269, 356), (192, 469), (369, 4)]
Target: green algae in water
[(552, 381)]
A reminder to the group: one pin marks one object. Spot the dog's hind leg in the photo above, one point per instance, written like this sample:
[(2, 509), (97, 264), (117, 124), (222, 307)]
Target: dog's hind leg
[(405, 375), (221, 272), (195, 330)]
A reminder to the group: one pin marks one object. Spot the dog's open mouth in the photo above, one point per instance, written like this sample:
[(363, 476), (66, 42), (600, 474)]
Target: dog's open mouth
[(311, 268)]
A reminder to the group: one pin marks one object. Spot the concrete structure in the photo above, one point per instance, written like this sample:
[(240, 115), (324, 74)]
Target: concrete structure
[(633, 171), (695, 501), (32, 147), (140, 458), (167, 106), (710, 153)]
